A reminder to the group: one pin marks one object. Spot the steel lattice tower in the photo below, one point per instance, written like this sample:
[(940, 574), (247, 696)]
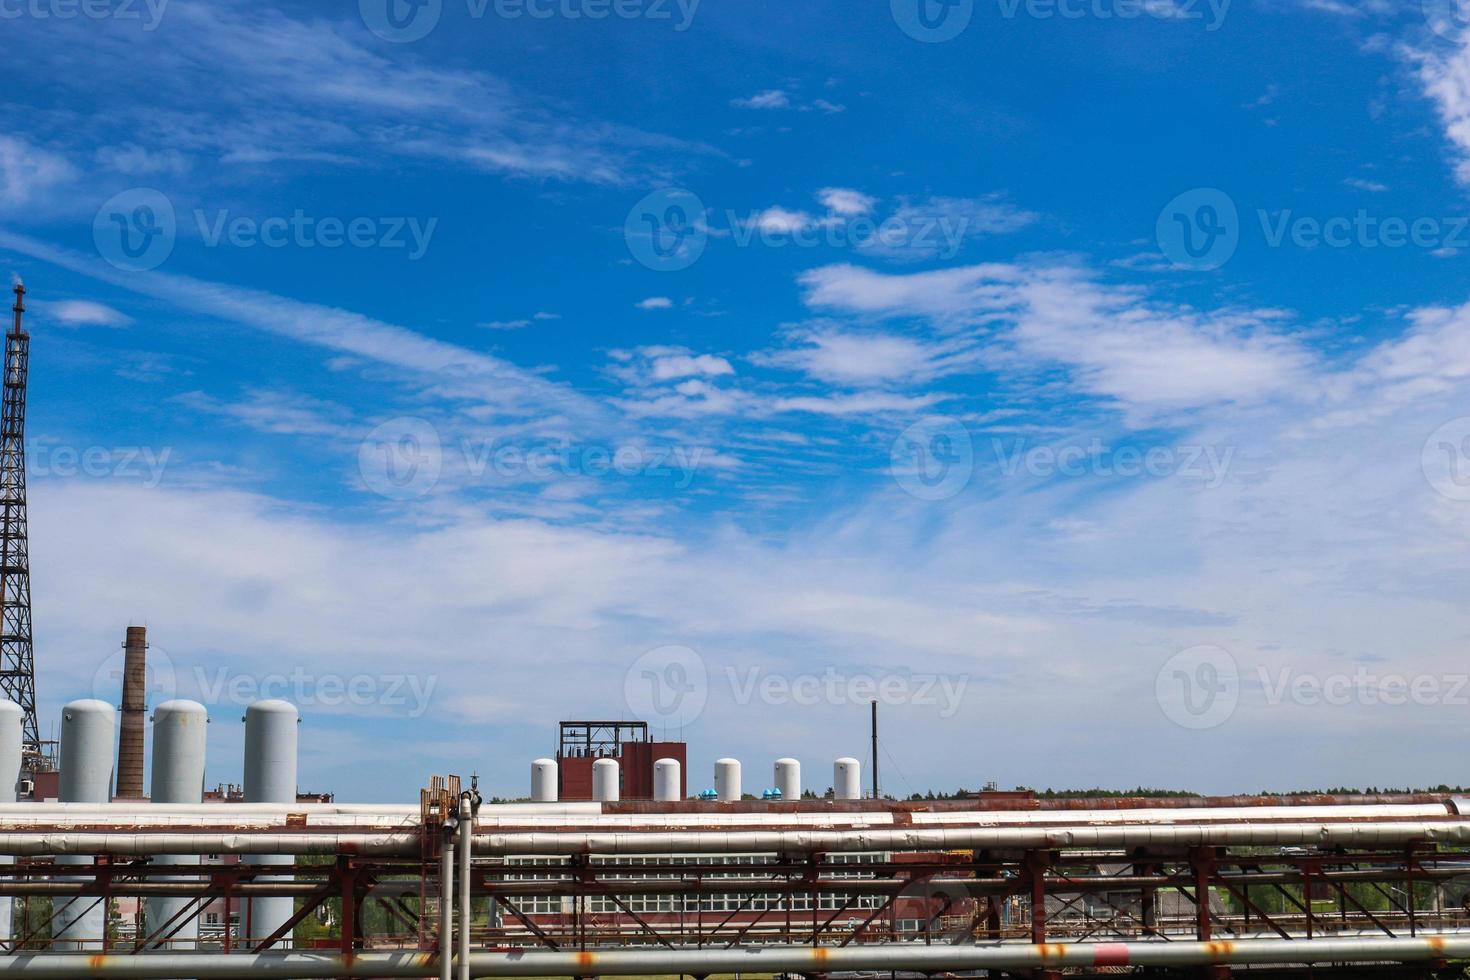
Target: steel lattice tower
[(17, 659)]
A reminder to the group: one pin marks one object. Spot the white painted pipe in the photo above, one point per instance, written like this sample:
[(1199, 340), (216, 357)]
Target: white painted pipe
[(884, 957), (727, 780), (788, 778), (270, 777), (179, 737), (543, 781), (666, 788), (466, 909), (88, 734), (12, 738), (606, 784), (847, 779), (446, 908)]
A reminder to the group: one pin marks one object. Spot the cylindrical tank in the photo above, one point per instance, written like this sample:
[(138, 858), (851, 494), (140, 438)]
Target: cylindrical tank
[(605, 782), (11, 738), (88, 731), (270, 777), (543, 781), (727, 780), (847, 779), (666, 781), (178, 777), (788, 778)]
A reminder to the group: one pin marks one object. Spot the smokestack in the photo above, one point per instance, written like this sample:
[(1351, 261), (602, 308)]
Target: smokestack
[(134, 710)]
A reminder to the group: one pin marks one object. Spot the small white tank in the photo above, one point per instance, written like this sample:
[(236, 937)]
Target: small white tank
[(11, 738), (270, 777), (847, 779), (179, 730), (666, 781), (88, 735), (727, 780), (788, 778), (270, 752), (606, 784), (543, 781)]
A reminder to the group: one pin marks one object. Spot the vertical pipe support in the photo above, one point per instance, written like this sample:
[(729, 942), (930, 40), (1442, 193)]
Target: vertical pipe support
[(466, 911)]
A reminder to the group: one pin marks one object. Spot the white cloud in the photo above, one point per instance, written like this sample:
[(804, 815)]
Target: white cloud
[(82, 313), (656, 303), (781, 221), (846, 202), (769, 99), (1444, 74), (28, 172), (1114, 342), (1360, 184), (849, 358)]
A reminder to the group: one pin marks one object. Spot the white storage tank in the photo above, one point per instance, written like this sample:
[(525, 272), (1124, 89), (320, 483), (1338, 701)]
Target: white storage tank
[(543, 781), (788, 778), (88, 734), (270, 777), (179, 737), (847, 779), (727, 780), (11, 739), (666, 781), (606, 787)]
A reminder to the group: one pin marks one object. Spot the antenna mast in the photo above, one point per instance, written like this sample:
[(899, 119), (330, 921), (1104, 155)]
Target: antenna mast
[(17, 658)]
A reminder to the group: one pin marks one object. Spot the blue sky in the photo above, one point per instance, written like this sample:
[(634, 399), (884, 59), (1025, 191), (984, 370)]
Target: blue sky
[(455, 370)]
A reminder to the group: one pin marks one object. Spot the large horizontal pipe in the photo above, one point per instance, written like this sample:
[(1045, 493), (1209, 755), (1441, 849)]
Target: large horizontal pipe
[(304, 965), (1354, 834), (592, 817)]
